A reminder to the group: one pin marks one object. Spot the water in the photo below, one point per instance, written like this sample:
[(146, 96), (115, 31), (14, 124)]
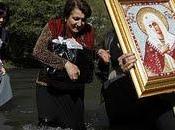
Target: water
[(20, 113)]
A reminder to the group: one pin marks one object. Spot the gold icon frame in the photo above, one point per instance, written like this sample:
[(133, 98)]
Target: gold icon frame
[(123, 14)]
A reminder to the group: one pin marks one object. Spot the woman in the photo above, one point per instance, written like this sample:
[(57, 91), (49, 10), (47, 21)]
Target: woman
[(5, 88), (60, 103), (3, 33)]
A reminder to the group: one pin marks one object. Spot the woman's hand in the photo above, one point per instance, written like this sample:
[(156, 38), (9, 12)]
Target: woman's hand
[(127, 61), (2, 70), (104, 54), (72, 70)]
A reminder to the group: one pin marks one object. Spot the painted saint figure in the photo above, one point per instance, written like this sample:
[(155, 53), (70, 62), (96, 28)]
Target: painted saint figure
[(159, 54)]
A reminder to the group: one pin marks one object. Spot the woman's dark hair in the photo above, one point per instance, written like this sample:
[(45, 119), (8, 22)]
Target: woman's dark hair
[(80, 4), (4, 12)]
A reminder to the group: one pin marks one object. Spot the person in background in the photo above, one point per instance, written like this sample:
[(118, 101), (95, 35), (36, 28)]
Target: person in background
[(4, 34), (66, 48), (5, 88), (124, 109)]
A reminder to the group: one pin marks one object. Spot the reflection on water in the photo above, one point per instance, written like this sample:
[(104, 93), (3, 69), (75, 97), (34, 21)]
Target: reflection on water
[(21, 114), (32, 127)]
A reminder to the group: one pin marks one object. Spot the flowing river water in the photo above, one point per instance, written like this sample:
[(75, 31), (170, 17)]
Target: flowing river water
[(20, 113)]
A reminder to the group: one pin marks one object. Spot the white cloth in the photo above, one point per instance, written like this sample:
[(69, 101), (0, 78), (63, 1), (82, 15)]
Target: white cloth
[(70, 42), (5, 90)]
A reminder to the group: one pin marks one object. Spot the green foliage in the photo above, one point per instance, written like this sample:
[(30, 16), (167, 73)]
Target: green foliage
[(28, 17), (100, 19)]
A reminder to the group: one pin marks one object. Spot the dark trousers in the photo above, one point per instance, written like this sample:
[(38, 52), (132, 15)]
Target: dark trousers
[(61, 108), (126, 112)]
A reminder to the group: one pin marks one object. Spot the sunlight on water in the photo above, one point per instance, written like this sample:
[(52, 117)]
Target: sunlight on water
[(33, 127)]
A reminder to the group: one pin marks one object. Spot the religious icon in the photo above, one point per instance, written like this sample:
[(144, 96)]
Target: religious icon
[(146, 28), (159, 54)]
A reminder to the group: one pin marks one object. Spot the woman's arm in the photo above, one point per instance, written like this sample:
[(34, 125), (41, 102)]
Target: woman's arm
[(102, 53), (47, 57), (42, 53)]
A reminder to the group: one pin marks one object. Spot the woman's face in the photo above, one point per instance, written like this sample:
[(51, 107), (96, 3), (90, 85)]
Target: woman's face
[(2, 20), (76, 21), (157, 29)]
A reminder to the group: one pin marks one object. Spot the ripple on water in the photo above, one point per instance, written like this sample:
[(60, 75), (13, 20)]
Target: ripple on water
[(34, 127)]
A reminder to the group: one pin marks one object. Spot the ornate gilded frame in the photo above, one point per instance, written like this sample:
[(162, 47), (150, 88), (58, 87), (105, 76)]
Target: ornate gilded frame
[(127, 22)]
